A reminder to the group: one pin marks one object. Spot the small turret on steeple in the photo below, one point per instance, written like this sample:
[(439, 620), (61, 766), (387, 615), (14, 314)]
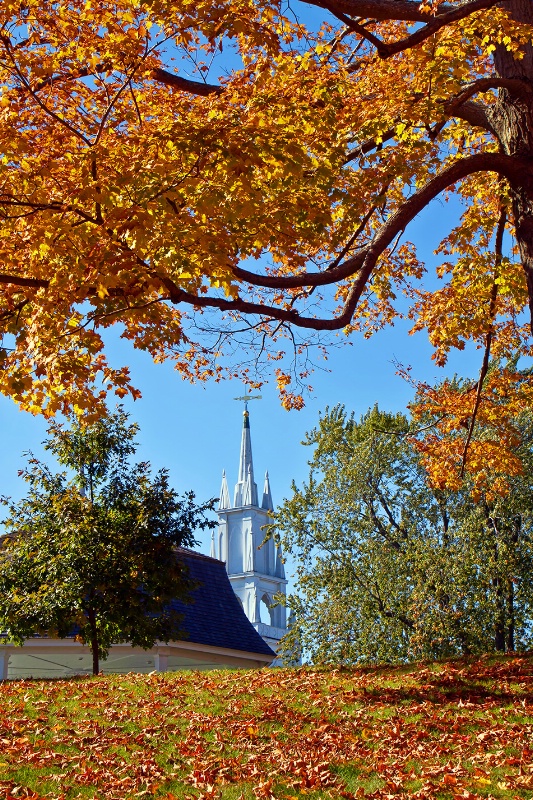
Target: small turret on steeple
[(280, 568), (249, 490), (224, 501), (267, 497)]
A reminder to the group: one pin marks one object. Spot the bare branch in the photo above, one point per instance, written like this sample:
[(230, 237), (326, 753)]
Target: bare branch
[(18, 280), (186, 85)]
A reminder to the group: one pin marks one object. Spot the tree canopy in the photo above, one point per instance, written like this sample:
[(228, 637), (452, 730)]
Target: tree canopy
[(94, 555), (389, 569), (249, 208)]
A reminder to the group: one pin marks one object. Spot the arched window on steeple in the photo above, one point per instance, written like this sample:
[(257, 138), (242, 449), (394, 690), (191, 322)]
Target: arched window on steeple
[(265, 609)]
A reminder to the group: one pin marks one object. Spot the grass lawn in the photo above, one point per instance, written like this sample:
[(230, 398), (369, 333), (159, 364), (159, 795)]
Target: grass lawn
[(460, 729)]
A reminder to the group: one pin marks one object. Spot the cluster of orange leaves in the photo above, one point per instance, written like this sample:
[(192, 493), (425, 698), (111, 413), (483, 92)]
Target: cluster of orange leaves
[(492, 455), (460, 730)]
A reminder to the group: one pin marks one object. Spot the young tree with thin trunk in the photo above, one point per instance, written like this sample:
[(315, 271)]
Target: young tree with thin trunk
[(94, 555)]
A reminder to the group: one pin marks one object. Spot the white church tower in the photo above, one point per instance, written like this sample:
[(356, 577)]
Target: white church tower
[(256, 574)]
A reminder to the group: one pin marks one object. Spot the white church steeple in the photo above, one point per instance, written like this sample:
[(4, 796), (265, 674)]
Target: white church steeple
[(255, 570)]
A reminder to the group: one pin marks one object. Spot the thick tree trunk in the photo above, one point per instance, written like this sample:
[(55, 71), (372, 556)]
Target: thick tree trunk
[(95, 648), (512, 118)]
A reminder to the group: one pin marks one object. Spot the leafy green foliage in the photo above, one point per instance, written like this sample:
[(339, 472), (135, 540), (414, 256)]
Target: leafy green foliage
[(392, 569), (451, 730), (96, 554)]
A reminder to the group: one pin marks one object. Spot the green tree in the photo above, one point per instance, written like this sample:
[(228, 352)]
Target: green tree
[(95, 553), (390, 569)]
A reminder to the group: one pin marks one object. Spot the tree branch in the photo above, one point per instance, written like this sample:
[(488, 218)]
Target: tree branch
[(394, 543), (406, 10), (360, 265), (515, 86), (488, 339), (158, 74), (186, 85), (476, 114), (370, 144), (17, 280), (363, 261)]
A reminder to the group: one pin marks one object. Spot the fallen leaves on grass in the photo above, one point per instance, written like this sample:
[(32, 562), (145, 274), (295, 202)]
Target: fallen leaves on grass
[(455, 730)]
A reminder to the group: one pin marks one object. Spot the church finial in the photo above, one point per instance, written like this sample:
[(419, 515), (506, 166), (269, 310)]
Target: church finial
[(224, 501), (267, 496)]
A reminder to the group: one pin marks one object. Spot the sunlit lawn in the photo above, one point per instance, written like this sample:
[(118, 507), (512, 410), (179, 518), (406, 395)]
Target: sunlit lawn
[(452, 730)]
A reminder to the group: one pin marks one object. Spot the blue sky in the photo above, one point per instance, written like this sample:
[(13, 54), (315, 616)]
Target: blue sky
[(194, 430)]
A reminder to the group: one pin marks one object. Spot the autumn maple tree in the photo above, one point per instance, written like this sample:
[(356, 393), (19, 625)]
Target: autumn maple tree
[(256, 205)]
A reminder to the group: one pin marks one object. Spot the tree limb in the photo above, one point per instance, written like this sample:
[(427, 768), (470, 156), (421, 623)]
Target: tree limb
[(488, 339), (406, 10), (158, 74), (18, 280), (394, 543), (515, 86), (186, 85), (364, 260), (476, 114), (360, 265)]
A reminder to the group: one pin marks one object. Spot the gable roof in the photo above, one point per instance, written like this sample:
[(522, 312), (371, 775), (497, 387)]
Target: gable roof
[(215, 617)]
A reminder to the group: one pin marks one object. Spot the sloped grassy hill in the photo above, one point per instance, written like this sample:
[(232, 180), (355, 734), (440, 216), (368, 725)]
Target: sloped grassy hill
[(451, 730)]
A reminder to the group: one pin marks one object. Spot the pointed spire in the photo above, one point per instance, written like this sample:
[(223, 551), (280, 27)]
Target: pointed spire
[(249, 490), (267, 496), (246, 488), (224, 501), (279, 570), (212, 551), (245, 461)]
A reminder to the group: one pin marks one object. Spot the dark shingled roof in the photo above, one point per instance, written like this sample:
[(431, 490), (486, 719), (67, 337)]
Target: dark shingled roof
[(215, 617)]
